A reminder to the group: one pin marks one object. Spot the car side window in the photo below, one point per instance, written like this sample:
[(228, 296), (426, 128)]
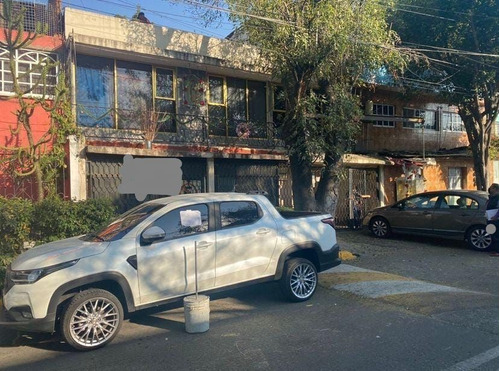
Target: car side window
[(421, 202), (461, 202), (172, 224), (237, 213)]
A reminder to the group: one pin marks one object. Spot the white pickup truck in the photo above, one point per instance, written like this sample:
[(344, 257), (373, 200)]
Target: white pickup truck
[(83, 286)]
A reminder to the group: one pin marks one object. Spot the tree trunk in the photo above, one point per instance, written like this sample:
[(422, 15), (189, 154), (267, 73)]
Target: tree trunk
[(328, 187), (39, 183), (478, 125), (303, 198)]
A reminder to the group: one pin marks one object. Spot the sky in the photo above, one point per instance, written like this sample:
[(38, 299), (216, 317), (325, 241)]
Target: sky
[(173, 14)]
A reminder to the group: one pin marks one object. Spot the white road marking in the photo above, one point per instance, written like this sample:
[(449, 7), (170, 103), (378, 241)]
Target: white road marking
[(346, 268), (377, 289), (476, 361)]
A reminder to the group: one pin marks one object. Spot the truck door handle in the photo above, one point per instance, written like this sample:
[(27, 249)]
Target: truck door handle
[(263, 231), (203, 245)]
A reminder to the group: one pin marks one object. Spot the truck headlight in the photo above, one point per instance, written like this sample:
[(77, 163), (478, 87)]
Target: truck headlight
[(31, 276)]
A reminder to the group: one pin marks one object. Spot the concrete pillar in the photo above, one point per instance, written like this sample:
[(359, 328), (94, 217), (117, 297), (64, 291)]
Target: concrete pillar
[(211, 174), (381, 185), (77, 170)]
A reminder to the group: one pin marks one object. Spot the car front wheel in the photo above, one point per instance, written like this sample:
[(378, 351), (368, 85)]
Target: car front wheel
[(299, 280), (380, 227), (478, 239), (92, 319)]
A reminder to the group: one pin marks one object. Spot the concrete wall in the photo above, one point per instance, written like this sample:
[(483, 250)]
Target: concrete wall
[(100, 34)]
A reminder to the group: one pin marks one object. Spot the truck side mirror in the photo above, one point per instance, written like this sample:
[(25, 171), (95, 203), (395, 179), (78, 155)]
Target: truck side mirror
[(153, 234)]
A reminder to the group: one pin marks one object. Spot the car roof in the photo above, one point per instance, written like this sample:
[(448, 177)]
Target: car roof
[(205, 197), (456, 192)]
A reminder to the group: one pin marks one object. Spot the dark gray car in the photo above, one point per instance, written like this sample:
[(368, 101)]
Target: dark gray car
[(456, 214)]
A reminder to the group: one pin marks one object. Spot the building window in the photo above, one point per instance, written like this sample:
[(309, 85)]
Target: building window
[(428, 117), (216, 106), (94, 91), (383, 110), (165, 99), (452, 122), (98, 78), (36, 72), (237, 108), (134, 93), (279, 105)]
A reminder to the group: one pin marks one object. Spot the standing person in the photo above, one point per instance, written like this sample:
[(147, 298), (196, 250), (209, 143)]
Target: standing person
[(492, 210)]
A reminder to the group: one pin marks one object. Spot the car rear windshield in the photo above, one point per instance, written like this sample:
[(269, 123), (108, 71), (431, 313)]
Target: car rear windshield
[(123, 224)]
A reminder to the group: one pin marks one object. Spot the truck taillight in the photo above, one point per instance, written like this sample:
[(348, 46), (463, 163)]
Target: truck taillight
[(329, 221)]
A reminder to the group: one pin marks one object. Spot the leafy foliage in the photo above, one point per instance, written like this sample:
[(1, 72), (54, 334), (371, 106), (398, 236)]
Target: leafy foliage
[(319, 51), (55, 219), (15, 224), (48, 220)]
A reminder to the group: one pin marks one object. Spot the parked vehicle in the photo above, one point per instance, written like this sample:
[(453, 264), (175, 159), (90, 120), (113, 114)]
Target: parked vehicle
[(457, 214), (83, 286)]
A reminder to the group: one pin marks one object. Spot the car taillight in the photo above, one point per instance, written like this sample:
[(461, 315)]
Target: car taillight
[(329, 221)]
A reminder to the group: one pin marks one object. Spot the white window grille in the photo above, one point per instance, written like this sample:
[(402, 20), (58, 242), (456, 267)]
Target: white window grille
[(36, 71), (452, 122), (428, 117), (383, 110)]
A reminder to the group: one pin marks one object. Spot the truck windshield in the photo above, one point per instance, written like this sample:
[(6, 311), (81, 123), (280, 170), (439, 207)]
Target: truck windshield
[(123, 224)]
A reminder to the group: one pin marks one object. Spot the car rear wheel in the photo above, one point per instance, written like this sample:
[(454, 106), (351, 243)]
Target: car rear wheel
[(478, 239), (380, 227), (92, 319), (299, 280)]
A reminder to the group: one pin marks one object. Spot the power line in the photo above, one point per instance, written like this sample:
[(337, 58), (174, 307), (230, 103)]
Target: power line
[(440, 49)]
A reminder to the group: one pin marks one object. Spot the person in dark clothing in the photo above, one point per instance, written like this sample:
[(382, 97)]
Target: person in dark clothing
[(492, 210), (142, 18)]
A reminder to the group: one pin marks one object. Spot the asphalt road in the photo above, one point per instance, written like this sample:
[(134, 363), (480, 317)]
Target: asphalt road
[(402, 304)]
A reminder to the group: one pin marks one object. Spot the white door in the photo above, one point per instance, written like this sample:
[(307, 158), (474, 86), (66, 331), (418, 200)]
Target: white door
[(166, 268), (246, 239)]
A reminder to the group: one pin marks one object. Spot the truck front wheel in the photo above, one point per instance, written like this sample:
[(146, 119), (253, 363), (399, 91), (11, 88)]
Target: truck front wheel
[(92, 319), (299, 280)]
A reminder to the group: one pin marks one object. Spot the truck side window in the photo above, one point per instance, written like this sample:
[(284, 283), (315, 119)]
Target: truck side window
[(171, 222), (235, 213)]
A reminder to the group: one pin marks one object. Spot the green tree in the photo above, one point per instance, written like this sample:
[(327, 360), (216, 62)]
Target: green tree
[(459, 39), (43, 155), (319, 51)]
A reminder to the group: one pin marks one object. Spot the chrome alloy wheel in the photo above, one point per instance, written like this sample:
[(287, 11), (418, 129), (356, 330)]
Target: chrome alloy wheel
[(480, 239), (94, 322), (379, 228), (303, 280)]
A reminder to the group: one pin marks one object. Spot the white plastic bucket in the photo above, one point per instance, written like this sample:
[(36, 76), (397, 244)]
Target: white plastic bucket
[(197, 313)]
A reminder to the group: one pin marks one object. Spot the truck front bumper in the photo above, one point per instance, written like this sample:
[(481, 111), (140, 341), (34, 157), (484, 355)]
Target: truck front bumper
[(20, 317)]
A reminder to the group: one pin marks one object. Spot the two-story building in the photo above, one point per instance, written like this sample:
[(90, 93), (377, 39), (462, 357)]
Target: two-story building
[(214, 96), (46, 48)]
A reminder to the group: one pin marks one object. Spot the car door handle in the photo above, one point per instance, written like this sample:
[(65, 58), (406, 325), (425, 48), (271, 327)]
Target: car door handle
[(426, 213), (203, 245), (263, 231)]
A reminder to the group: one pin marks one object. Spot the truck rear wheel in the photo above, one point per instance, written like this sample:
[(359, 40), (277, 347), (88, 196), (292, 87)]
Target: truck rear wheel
[(299, 280), (92, 319)]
